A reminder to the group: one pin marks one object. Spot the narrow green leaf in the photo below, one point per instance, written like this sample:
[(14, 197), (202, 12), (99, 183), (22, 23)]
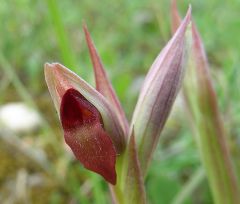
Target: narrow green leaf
[(208, 125)]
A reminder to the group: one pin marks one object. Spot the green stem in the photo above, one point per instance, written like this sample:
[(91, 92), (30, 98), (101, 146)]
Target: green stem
[(211, 137), (130, 185)]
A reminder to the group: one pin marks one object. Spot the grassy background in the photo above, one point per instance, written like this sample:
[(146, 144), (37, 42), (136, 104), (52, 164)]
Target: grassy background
[(128, 35)]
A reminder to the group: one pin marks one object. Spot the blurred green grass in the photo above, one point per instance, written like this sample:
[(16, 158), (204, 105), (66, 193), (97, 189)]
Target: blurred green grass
[(128, 36)]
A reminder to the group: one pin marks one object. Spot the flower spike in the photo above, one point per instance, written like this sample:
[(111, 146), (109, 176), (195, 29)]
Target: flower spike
[(95, 126)]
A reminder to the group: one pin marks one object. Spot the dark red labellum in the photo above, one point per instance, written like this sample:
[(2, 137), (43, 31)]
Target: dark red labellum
[(85, 134)]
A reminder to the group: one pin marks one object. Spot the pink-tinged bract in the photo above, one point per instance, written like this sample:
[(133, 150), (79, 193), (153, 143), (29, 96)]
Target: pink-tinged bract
[(103, 84), (158, 93)]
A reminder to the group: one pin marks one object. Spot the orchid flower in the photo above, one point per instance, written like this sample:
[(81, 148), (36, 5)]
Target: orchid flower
[(94, 123)]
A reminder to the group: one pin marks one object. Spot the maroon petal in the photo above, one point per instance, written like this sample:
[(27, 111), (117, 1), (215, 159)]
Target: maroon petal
[(85, 134)]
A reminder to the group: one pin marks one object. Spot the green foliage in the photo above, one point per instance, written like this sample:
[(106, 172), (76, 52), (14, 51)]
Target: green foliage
[(128, 35)]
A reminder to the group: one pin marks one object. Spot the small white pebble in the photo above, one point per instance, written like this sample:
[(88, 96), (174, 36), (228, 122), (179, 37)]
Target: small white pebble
[(18, 117)]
